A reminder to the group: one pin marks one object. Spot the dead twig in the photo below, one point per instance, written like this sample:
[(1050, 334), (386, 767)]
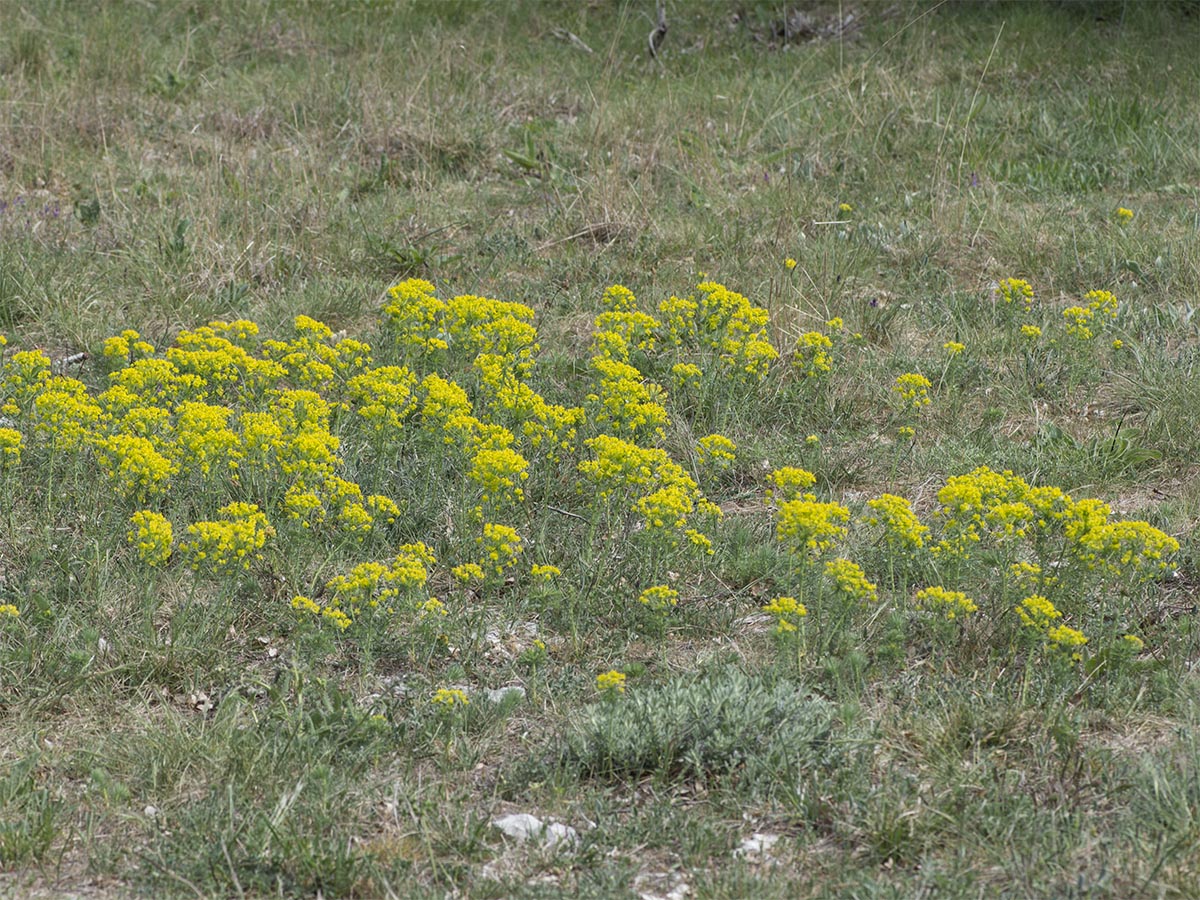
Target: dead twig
[(659, 32), (563, 35)]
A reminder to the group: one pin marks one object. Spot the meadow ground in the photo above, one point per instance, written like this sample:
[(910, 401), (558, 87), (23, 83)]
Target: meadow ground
[(847, 550)]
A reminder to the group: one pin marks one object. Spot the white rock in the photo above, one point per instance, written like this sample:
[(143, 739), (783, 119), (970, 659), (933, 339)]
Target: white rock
[(524, 827), (499, 695), (757, 845)]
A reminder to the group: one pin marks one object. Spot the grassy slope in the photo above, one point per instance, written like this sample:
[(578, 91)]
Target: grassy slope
[(263, 160)]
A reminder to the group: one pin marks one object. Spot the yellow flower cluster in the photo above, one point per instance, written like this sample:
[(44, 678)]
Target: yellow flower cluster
[(611, 682), (953, 348), (902, 530), (686, 375), (233, 541), (787, 612), (1123, 215), (736, 329), (449, 698), (944, 602), (1081, 320), (659, 598), (330, 614), (8, 611), (810, 527), (1000, 507), (1016, 290), (11, 444), (1126, 548), (152, 535), (716, 451), (913, 390), (135, 467), (127, 346), (384, 398), (813, 356), (789, 483), (625, 402), (850, 581), (1040, 615), (501, 546), (646, 481)]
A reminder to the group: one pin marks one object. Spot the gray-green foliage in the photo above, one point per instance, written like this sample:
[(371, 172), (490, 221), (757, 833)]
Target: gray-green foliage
[(763, 735)]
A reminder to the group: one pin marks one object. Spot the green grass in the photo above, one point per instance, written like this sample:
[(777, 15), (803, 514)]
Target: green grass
[(171, 734)]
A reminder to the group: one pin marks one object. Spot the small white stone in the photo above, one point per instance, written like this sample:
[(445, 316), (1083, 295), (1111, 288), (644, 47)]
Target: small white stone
[(757, 845), (499, 695), (524, 827)]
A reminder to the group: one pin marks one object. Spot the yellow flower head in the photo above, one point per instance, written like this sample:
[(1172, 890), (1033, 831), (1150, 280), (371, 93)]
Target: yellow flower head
[(449, 698), (944, 602), (659, 598), (913, 390), (152, 535), (1124, 215), (611, 682), (787, 612)]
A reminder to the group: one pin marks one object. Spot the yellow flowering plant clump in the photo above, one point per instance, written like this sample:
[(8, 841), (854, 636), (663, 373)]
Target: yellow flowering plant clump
[(127, 347), (611, 682), (229, 543), (788, 612), (913, 390), (468, 572), (501, 547), (544, 572), (813, 356), (902, 529), (1079, 322), (306, 606), (809, 528), (624, 402), (11, 444), (954, 348), (1123, 215), (949, 604), (9, 611), (65, 417), (23, 376), (152, 536), (716, 452), (1040, 618), (136, 469), (1016, 292), (449, 698), (645, 481), (686, 376), (637, 330), (412, 314), (789, 483), (1037, 612), (1127, 549), (203, 440), (384, 587), (659, 598), (383, 398), (500, 473), (850, 582)]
